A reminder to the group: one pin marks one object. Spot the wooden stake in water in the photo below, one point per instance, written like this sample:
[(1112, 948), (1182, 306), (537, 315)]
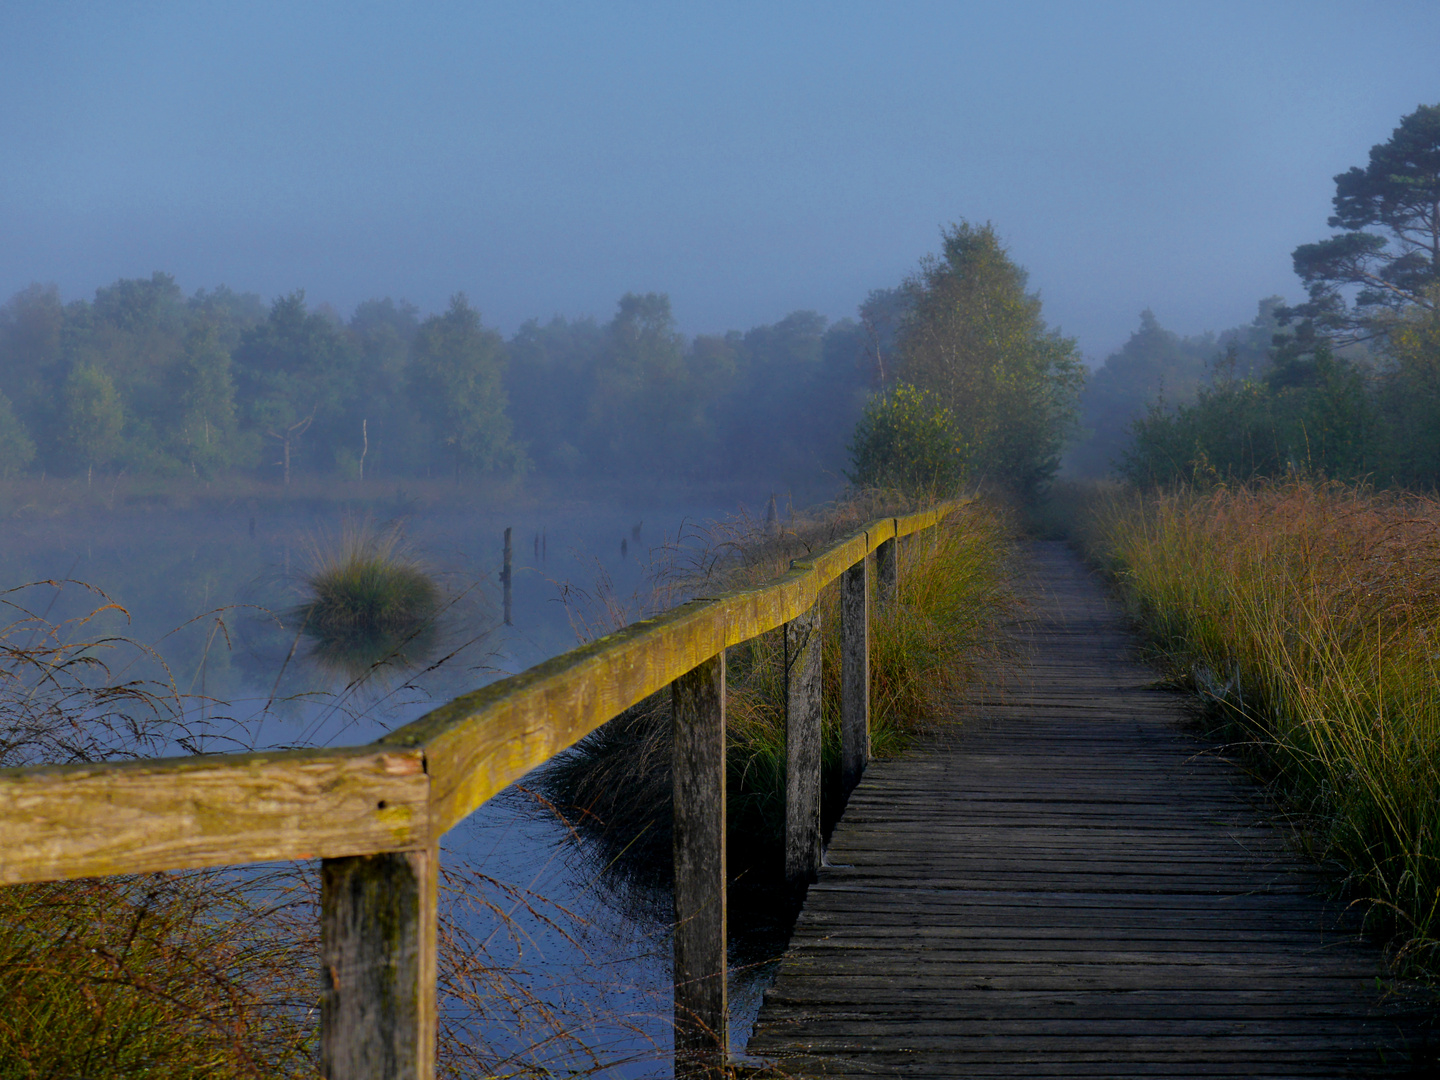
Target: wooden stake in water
[(505, 578)]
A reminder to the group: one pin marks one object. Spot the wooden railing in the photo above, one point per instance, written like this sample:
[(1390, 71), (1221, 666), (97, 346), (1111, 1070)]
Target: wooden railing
[(374, 814)]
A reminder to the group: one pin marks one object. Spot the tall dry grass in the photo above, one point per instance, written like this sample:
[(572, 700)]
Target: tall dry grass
[(206, 973), (1310, 614)]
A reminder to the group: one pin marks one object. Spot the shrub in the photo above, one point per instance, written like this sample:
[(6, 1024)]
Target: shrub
[(907, 441)]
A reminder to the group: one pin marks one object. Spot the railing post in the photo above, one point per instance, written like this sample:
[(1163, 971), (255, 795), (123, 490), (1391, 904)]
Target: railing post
[(702, 1018), (802, 749), (887, 570), (854, 674), (377, 949)]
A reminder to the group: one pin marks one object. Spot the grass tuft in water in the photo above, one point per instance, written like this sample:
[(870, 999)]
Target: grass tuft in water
[(365, 583)]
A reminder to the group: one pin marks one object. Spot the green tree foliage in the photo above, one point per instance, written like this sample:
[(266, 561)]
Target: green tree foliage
[(549, 380), (1311, 414), (1159, 366), (644, 404), (1408, 396), (975, 339), (32, 361), (16, 448), (202, 414), (1387, 258), (908, 441), (222, 382), (294, 372), (456, 380), (1325, 405), (91, 418)]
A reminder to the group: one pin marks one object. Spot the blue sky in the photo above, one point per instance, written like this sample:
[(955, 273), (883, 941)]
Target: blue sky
[(748, 159)]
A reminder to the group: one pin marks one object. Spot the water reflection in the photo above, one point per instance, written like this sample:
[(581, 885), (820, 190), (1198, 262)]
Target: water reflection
[(369, 653), (602, 966)]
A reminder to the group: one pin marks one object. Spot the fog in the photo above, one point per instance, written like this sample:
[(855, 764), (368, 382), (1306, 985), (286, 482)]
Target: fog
[(599, 275), (748, 162)]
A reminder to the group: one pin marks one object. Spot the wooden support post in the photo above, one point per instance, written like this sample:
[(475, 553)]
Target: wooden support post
[(854, 674), (505, 578), (802, 749), (702, 1018), (377, 949), (887, 571)]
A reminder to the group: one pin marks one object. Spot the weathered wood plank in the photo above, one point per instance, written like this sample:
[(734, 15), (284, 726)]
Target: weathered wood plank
[(854, 673), (802, 749), (134, 817), (480, 743), (378, 951), (887, 571), (702, 1018)]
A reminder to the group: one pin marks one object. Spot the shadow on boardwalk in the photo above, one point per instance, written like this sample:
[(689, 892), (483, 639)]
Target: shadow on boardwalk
[(1074, 888)]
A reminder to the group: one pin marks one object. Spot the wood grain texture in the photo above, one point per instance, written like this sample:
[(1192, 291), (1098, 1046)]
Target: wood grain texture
[(854, 673), (887, 571), (702, 1017), (132, 817), (802, 749), (378, 966), (1075, 886)]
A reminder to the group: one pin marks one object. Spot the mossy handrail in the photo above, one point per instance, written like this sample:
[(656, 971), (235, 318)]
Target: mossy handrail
[(398, 796)]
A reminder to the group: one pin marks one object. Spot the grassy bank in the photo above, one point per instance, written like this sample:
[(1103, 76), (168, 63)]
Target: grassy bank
[(925, 648), (1309, 614)]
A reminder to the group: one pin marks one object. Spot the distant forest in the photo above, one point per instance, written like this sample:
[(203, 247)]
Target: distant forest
[(1160, 370), (951, 379), (146, 379), (1343, 386)]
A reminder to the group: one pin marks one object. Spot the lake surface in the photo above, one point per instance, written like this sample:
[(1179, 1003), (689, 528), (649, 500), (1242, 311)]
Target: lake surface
[(571, 961)]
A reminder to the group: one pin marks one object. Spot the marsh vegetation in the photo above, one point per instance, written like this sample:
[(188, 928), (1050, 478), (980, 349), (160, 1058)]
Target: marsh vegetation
[(1306, 614)]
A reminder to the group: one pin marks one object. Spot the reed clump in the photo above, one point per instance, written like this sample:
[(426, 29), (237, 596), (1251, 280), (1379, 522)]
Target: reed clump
[(1309, 615), (366, 582)]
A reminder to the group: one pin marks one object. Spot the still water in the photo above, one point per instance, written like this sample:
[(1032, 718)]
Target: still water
[(575, 971)]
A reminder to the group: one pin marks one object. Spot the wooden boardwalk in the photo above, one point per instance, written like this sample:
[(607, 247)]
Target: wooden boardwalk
[(1073, 887)]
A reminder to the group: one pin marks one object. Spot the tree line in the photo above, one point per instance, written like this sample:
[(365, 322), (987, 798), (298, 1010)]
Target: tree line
[(1345, 385), (146, 379)]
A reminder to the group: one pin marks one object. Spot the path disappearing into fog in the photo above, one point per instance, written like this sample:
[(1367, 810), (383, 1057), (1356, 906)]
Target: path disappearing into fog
[(1075, 885)]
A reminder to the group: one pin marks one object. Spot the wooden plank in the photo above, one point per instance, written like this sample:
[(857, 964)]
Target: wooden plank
[(702, 1019), (854, 674), (1074, 887), (377, 948), (802, 749), (887, 571), (135, 817)]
